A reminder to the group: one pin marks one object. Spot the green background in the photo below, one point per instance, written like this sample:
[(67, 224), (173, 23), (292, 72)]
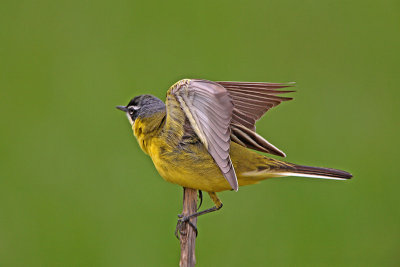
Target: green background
[(76, 190)]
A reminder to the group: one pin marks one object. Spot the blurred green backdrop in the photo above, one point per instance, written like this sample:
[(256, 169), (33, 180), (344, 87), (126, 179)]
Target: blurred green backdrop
[(76, 190)]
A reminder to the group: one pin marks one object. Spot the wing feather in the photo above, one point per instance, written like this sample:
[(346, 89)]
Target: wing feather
[(251, 100), (219, 112), (255, 98), (209, 108)]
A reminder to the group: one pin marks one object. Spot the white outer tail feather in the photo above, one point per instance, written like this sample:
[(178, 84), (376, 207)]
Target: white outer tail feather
[(307, 175)]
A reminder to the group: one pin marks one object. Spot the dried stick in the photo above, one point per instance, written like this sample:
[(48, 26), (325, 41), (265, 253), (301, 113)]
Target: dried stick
[(187, 233)]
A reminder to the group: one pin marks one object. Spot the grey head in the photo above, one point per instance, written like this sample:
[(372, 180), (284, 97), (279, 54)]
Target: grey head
[(142, 106)]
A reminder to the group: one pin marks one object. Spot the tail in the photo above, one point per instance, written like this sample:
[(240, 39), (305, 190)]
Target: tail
[(313, 172)]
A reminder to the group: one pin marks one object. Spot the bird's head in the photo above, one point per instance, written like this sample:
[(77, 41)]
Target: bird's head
[(142, 106)]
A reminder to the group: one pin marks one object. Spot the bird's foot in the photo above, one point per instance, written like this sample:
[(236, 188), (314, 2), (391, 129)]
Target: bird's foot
[(180, 225)]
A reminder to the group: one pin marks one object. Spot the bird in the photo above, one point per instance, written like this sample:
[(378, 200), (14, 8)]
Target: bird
[(204, 136)]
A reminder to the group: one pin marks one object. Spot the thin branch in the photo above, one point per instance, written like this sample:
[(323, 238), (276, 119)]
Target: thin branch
[(187, 233)]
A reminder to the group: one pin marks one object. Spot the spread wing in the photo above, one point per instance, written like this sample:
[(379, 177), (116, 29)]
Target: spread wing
[(209, 108), (251, 100)]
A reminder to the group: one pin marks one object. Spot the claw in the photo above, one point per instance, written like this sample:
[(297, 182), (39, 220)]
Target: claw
[(194, 227), (201, 199), (178, 228)]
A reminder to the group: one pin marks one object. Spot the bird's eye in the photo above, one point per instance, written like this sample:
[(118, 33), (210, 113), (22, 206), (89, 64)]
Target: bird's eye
[(131, 112)]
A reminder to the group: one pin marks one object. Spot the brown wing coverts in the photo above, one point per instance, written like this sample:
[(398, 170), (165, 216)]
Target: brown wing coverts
[(251, 100), (208, 107)]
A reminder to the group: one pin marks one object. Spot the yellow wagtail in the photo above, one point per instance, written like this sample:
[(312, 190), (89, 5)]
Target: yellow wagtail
[(203, 137)]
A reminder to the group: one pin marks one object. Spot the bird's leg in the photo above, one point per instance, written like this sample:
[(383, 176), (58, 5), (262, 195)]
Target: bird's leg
[(215, 199), (182, 219)]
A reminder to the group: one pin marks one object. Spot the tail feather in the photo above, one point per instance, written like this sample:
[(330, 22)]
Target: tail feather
[(314, 172)]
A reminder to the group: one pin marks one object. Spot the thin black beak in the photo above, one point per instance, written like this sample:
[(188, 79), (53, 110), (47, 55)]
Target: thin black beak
[(122, 108)]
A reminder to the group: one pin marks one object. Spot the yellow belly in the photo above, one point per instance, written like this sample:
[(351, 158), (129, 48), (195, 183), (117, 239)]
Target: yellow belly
[(192, 166)]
